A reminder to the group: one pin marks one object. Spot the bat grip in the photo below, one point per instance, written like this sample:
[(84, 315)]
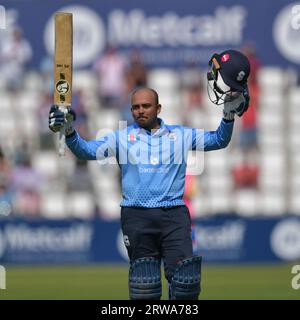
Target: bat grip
[(62, 142), (62, 138)]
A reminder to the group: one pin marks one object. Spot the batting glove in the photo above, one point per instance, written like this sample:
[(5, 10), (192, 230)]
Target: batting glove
[(61, 118), (235, 105)]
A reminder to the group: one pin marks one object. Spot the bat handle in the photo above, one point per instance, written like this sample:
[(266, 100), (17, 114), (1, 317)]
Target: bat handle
[(62, 142), (62, 138)]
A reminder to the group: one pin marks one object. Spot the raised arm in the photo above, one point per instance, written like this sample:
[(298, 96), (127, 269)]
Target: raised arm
[(220, 138), (213, 140), (96, 149)]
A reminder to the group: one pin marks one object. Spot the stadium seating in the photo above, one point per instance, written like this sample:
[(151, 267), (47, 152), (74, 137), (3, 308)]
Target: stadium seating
[(80, 205), (278, 115)]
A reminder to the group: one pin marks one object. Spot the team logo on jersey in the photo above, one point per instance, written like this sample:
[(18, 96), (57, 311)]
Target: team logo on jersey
[(153, 160), (172, 136), (131, 137), (62, 87)]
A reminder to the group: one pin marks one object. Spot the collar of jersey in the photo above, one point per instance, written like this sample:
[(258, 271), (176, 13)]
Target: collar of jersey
[(158, 133)]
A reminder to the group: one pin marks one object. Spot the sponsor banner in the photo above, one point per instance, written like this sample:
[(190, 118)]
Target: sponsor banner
[(169, 33), (226, 239), (219, 239), (49, 241)]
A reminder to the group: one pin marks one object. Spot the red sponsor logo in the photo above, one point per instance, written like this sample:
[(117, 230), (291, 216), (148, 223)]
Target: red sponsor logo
[(131, 137), (225, 57)]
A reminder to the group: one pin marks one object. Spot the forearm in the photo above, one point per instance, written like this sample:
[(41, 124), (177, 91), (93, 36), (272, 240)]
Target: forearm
[(82, 149), (214, 140)]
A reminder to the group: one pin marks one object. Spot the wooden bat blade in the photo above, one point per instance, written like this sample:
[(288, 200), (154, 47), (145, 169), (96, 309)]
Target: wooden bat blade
[(63, 59), (63, 65)]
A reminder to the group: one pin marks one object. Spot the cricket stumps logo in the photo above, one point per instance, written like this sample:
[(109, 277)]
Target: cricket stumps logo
[(62, 87)]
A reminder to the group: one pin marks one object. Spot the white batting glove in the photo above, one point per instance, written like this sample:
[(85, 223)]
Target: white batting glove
[(234, 105), (61, 118)]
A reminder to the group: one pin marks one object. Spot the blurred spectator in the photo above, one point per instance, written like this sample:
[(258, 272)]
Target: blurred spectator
[(250, 51), (26, 182), (191, 85), (135, 76), (6, 192), (245, 174), (248, 130), (191, 90), (16, 53), (248, 133), (110, 69), (81, 181), (190, 191), (46, 138), (81, 114), (125, 107), (27, 202), (46, 71), (5, 169), (136, 72)]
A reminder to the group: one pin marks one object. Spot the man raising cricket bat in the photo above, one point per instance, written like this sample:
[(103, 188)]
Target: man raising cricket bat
[(155, 222)]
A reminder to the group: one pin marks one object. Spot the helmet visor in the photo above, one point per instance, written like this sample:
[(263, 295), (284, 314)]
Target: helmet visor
[(218, 91)]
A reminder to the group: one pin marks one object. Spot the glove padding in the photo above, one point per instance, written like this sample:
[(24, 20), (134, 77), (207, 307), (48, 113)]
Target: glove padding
[(237, 105), (61, 118)]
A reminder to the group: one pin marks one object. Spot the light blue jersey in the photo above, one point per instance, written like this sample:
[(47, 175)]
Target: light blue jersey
[(153, 164)]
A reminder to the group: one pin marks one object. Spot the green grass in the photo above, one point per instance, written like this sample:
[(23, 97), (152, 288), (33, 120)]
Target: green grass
[(105, 282)]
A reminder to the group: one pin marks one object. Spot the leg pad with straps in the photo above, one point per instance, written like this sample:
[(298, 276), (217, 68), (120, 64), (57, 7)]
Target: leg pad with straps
[(145, 279), (185, 283)]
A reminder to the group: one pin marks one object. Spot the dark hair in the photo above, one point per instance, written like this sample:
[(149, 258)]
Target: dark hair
[(149, 89)]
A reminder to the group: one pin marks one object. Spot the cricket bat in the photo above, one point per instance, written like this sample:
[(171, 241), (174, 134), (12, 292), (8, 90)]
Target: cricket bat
[(63, 64)]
